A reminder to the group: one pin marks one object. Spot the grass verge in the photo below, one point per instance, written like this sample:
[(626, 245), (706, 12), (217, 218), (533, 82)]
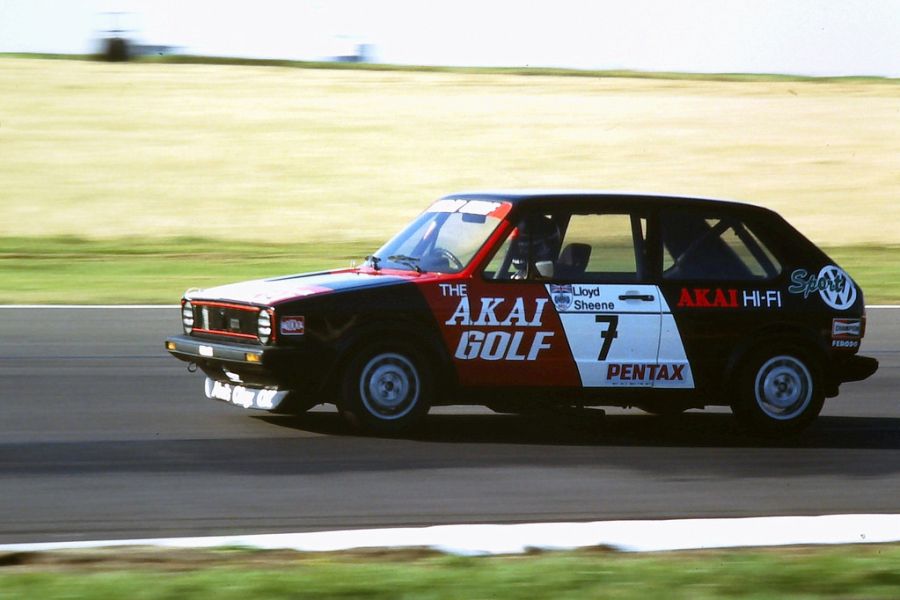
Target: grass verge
[(832, 572), (67, 270), (190, 59)]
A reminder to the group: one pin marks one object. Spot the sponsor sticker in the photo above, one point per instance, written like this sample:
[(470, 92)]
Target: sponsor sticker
[(845, 344), (494, 343), (562, 296), (846, 329), (643, 374), (834, 286), (295, 325), (265, 399), (481, 208), (728, 298)]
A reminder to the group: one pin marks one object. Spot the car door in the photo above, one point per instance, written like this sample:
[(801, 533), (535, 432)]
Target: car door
[(610, 312)]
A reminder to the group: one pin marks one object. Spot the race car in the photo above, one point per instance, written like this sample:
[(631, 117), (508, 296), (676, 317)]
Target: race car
[(538, 300)]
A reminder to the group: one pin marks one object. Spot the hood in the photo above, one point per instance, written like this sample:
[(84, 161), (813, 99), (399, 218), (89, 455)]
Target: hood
[(281, 289)]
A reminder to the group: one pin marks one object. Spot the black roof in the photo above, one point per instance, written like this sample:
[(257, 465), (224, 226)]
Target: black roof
[(600, 197)]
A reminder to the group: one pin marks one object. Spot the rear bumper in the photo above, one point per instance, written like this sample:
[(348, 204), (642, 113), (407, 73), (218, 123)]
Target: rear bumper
[(855, 368)]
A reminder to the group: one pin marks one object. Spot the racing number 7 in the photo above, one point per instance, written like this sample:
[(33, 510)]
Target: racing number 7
[(609, 334)]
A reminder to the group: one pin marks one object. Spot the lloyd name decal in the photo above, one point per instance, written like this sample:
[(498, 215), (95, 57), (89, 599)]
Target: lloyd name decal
[(579, 298), (499, 344)]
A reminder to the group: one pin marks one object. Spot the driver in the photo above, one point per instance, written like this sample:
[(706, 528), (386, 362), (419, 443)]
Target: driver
[(537, 240)]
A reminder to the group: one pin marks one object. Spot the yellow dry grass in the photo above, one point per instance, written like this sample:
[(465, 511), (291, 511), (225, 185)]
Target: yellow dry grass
[(152, 150)]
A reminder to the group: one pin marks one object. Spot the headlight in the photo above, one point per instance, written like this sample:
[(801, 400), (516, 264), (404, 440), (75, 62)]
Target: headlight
[(264, 326), (187, 316)]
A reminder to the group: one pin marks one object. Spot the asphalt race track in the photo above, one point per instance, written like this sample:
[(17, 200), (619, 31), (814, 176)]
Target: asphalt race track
[(104, 436)]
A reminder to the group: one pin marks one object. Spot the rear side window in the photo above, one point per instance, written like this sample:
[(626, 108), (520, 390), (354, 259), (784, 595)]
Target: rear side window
[(702, 246)]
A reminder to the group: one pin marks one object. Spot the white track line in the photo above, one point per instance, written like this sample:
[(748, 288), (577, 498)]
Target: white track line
[(626, 536), (79, 306)]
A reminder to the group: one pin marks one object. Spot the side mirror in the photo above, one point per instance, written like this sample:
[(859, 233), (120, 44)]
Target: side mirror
[(545, 268)]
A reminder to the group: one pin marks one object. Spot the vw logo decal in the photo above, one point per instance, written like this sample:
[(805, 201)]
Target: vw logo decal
[(840, 293)]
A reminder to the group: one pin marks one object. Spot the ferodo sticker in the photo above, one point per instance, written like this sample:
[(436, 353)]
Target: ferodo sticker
[(292, 325), (833, 285)]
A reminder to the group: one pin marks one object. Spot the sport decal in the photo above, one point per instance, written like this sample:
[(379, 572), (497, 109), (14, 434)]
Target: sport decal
[(834, 286)]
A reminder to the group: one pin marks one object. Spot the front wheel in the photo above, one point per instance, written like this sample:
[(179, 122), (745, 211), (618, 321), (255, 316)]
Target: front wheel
[(385, 389), (779, 392)]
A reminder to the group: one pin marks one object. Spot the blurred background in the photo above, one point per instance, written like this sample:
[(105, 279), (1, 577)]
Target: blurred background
[(806, 37), (150, 146)]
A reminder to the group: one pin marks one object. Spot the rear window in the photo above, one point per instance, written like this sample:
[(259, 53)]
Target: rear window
[(702, 246)]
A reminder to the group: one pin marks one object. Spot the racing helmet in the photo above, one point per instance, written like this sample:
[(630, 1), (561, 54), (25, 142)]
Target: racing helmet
[(537, 239)]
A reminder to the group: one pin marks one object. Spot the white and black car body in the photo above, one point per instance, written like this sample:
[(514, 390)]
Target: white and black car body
[(524, 300)]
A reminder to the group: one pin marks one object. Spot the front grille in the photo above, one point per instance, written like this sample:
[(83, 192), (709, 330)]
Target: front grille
[(222, 319)]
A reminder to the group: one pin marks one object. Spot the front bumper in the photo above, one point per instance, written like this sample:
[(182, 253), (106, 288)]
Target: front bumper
[(290, 368), (190, 349)]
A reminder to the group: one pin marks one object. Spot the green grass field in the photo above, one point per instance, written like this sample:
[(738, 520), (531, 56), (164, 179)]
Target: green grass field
[(839, 572), (55, 270), (271, 168)]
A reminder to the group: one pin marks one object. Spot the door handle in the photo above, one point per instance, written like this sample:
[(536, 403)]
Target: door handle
[(641, 297)]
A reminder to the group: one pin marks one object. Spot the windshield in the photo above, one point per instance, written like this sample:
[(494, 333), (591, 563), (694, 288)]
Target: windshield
[(444, 238)]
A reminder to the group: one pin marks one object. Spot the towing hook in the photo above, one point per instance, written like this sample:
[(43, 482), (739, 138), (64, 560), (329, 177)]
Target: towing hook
[(192, 367)]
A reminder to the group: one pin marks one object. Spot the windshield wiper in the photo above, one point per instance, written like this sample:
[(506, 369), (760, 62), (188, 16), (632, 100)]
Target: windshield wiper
[(409, 261), (374, 260)]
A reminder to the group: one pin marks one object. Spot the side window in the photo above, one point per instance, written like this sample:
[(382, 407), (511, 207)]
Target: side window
[(602, 247), (529, 251), (572, 247), (698, 246)]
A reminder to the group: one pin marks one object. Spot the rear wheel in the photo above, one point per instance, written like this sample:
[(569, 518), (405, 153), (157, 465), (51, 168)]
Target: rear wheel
[(385, 389), (779, 392)]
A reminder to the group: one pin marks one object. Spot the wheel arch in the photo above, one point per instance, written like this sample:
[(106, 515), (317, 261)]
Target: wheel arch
[(776, 335), (407, 332)]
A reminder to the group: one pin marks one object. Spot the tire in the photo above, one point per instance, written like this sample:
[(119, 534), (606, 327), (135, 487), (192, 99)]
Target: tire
[(385, 388), (780, 392)]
